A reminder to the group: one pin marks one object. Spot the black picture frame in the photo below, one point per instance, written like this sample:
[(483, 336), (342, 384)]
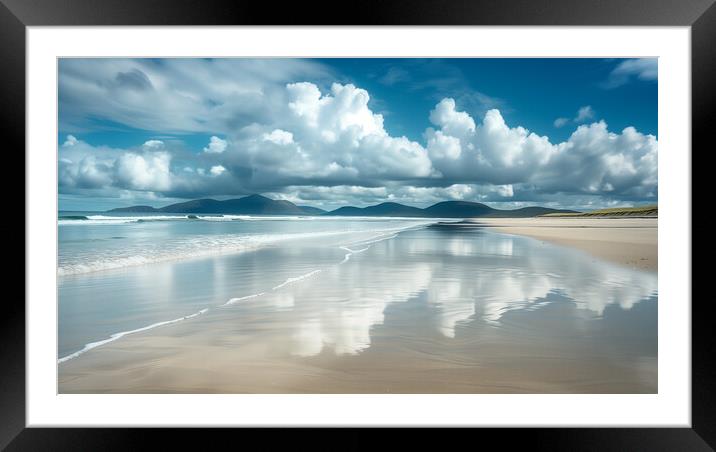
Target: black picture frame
[(16, 15)]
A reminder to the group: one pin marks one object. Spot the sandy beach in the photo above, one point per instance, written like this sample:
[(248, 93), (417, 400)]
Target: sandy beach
[(630, 242), (435, 310)]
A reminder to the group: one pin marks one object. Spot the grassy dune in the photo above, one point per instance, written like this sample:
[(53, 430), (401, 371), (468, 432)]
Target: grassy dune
[(643, 211)]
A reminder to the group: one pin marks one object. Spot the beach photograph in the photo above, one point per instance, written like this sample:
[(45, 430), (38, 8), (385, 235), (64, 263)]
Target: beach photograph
[(357, 226)]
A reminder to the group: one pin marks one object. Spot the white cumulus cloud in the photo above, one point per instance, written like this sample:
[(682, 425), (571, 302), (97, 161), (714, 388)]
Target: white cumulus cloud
[(216, 145), (70, 141), (217, 170), (153, 144), (144, 172), (328, 146), (279, 136)]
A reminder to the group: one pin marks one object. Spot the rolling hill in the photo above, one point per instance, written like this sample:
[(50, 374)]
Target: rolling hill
[(386, 209), (261, 205), (248, 205), (445, 209)]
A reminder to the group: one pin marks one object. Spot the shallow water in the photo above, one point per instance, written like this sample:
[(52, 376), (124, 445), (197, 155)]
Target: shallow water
[(454, 309)]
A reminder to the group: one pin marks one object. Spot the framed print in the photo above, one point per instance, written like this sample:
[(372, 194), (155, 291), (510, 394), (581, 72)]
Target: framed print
[(423, 217)]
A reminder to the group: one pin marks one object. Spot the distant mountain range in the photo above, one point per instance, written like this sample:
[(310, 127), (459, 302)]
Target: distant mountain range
[(446, 209), (261, 205)]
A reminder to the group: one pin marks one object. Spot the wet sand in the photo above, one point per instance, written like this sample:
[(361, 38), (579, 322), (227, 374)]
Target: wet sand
[(632, 242), (204, 363), (441, 310)]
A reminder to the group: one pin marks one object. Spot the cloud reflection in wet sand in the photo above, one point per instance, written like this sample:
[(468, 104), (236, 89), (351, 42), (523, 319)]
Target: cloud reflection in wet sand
[(466, 277)]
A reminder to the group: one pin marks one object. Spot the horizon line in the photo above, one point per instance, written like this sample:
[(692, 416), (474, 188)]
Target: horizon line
[(371, 205)]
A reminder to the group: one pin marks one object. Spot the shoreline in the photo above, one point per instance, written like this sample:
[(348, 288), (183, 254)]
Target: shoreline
[(630, 242), (409, 323)]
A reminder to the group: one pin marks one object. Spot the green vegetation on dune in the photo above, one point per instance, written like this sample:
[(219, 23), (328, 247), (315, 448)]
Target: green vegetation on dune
[(642, 211)]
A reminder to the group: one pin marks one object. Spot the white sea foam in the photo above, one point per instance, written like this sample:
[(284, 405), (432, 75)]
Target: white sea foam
[(283, 284), (382, 236), (110, 219), (222, 217), (296, 279), (350, 253), (191, 247), (136, 217), (76, 222), (379, 238), (278, 218), (91, 220), (354, 251), (247, 297), (197, 246), (121, 334)]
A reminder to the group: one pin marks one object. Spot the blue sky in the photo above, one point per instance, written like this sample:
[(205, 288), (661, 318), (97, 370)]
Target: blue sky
[(328, 132), (529, 92)]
